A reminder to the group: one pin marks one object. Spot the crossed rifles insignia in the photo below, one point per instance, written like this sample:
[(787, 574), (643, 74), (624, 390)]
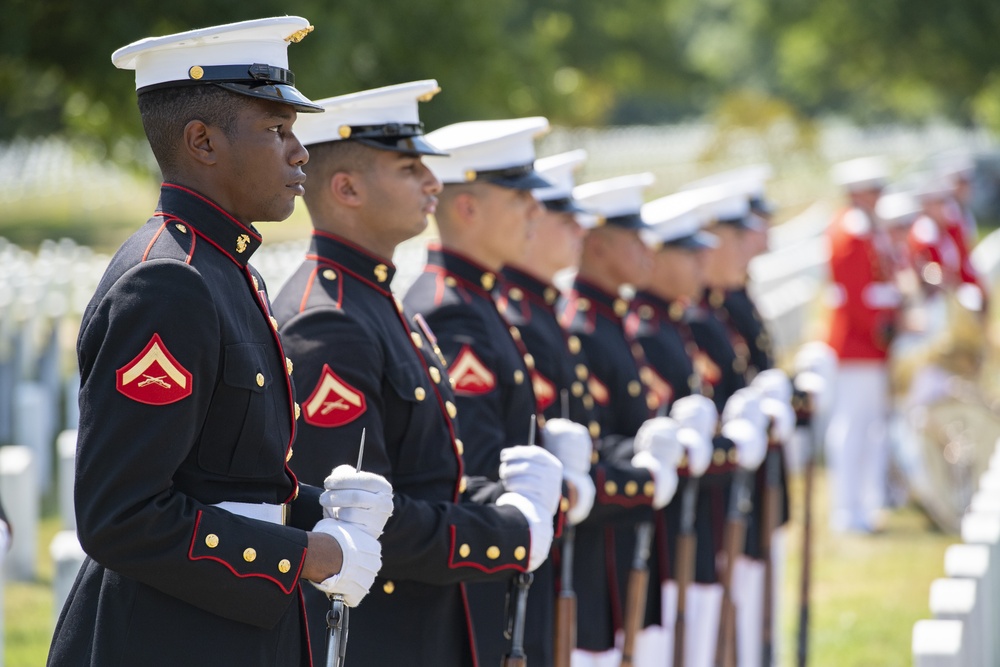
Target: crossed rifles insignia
[(154, 376), (333, 402)]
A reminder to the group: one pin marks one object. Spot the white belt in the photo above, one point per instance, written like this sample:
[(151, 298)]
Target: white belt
[(261, 511)]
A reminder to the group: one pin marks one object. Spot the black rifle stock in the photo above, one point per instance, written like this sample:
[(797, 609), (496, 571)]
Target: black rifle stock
[(565, 640)]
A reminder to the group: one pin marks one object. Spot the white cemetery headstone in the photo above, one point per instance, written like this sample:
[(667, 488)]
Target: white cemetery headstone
[(19, 494), (66, 448), (67, 557), (972, 561), (955, 599), (937, 643), (33, 427), (72, 400)]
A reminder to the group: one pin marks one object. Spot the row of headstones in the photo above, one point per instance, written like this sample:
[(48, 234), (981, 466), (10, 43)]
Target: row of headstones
[(965, 605)]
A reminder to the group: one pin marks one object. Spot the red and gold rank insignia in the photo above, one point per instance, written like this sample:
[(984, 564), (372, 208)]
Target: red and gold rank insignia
[(333, 402), (598, 390), (154, 377), (545, 391), (706, 368), (658, 385), (471, 376)]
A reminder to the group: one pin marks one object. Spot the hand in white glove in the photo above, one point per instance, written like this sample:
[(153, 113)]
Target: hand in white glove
[(585, 495), (818, 363), (362, 560), (698, 448), (658, 450), (697, 412), (533, 479), (570, 443), (744, 423), (773, 383), (361, 498), (782, 418)]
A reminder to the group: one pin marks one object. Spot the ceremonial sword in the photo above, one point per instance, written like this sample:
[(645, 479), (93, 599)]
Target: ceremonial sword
[(339, 614)]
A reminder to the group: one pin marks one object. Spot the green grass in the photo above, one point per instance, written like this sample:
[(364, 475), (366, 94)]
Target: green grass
[(867, 592)]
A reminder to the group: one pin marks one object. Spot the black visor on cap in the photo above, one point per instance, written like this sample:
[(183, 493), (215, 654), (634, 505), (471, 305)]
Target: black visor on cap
[(627, 221), (697, 241), (404, 138), (276, 92), (762, 206), (564, 205), (523, 177), (743, 222)]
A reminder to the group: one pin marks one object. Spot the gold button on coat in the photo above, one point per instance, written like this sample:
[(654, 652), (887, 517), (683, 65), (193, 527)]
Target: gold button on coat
[(211, 540), (649, 488), (464, 551), (330, 274), (493, 553), (249, 554), (718, 457), (574, 344), (529, 361), (577, 389), (289, 366), (284, 566), (184, 230), (388, 587), (450, 282), (260, 379), (463, 485), (459, 446), (515, 333), (588, 402), (435, 374), (610, 488), (518, 377), (594, 427), (274, 323), (634, 388), (298, 411), (631, 488), (419, 393), (452, 410), (288, 456), (520, 553), (415, 337), (581, 372)]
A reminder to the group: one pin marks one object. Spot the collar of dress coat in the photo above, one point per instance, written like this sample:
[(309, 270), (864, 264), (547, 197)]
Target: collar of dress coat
[(609, 305), (234, 239), (462, 267), (648, 306), (363, 264), (539, 291)]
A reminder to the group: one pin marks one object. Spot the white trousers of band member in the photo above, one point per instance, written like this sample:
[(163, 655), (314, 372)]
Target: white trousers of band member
[(701, 628), (856, 448), (609, 658)]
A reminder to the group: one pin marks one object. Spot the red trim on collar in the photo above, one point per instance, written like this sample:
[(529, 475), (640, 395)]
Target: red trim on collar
[(211, 203), (354, 246)]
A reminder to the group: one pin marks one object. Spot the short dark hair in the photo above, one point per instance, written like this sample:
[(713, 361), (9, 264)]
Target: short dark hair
[(166, 111), (330, 157)]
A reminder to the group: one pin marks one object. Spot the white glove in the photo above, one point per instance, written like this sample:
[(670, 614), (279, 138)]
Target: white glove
[(697, 412), (585, 495), (699, 450), (745, 424), (4, 539), (782, 418), (533, 479), (658, 450), (817, 362), (362, 560), (773, 383), (570, 443), (361, 498)]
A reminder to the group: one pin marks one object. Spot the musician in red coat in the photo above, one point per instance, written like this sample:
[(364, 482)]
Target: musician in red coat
[(865, 302)]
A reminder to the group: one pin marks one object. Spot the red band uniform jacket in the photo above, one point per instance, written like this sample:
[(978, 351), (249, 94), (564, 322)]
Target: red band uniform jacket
[(361, 364), (185, 402)]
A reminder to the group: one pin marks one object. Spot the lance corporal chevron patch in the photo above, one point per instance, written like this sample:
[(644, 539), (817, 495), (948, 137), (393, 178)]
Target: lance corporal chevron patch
[(154, 376), (333, 402), (472, 377), (545, 391)]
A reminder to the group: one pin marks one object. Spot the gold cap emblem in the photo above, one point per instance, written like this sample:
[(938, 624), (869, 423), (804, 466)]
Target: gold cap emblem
[(488, 280), (344, 131), (381, 273), (470, 175), (196, 72), (299, 35)]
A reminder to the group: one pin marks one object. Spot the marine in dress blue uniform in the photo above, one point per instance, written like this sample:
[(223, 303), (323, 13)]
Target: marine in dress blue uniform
[(595, 315), (489, 161), (362, 364), (195, 529)]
